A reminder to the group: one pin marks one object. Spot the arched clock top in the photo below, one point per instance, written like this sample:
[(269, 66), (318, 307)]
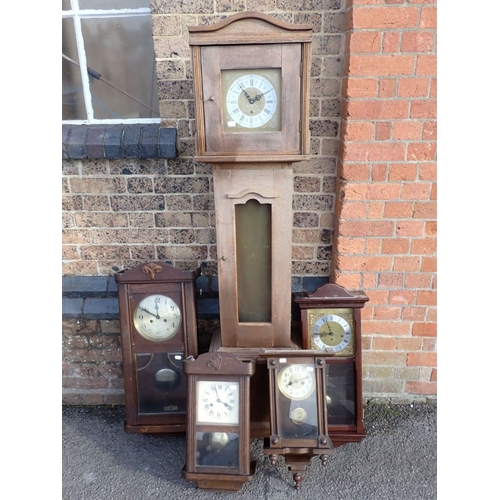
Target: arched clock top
[(250, 27)]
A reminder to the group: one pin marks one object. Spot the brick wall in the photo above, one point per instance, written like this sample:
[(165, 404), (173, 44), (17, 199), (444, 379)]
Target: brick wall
[(369, 187), (92, 362), (385, 212)]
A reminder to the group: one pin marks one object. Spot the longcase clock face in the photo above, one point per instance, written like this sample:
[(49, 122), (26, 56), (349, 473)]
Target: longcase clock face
[(252, 100)]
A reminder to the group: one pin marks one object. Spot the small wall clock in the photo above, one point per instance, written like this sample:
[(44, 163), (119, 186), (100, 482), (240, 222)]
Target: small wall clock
[(251, 84), (218, 430), (331, 323), (158, 330), (298, 409)]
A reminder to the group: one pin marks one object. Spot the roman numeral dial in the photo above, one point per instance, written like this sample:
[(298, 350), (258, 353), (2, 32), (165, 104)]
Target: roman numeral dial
[(218, 402), (252, 100)]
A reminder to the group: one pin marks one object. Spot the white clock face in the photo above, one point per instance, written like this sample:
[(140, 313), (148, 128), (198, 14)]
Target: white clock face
[(217, 402), (297, 381), (252, 100), (157, 318), (331, 333)]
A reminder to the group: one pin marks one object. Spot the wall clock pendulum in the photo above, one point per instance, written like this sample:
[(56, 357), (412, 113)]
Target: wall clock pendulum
[(218, 423), (158, 330), (298, 409), (331, 323)]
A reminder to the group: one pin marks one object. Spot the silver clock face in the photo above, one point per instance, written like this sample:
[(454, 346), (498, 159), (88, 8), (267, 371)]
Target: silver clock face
[(251, 101), (331, 333), (157, 318)]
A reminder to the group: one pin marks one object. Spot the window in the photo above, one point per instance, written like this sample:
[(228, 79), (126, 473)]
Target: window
[(108, 63)]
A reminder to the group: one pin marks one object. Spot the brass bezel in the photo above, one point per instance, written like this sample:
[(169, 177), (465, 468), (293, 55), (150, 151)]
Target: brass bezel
[(313, 315), (145, 334)]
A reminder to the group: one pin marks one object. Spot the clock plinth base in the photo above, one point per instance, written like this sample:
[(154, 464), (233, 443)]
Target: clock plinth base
[(296, 459), (219, 482)]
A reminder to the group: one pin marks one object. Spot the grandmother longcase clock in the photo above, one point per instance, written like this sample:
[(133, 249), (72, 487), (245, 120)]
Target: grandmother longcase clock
[(158, 331), (251, 85)]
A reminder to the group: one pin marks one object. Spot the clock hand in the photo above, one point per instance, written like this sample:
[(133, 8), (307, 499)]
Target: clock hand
[(250, 100), (220, 401), (329, 328), (145, 310), (257, 97), (296, 380), (157, 308), (217, 394)]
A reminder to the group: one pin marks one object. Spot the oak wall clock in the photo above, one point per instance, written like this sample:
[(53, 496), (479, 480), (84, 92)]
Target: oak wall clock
[(331, 323), (251, 85), (158, 330), (218, 422)]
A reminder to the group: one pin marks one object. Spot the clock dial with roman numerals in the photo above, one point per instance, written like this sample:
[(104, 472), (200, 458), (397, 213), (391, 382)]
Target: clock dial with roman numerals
[(218, 402), (252, 100)]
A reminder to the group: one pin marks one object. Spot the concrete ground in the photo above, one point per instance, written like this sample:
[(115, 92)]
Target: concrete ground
[(397, 460)]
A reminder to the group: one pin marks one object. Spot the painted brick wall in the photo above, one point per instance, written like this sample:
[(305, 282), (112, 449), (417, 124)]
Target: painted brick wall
[(363, 208), (385, 212)]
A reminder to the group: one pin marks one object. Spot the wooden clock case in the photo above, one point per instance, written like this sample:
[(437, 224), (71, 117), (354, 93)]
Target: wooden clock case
[(155, 385), (343, 372), (225, 470), (297, 440), (252, 168), (251, 40)]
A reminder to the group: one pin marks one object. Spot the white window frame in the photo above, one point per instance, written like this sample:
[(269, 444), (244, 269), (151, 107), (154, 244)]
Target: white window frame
[(77, 15)]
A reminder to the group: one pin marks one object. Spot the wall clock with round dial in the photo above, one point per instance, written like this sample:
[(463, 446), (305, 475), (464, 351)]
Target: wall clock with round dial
[(158, 330), (297, 381), (218, 425), (297, 409)]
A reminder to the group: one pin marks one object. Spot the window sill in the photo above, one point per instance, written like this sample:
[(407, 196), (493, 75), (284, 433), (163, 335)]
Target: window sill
[(118, 141)]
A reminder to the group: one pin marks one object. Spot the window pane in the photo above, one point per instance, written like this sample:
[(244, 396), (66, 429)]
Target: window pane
[(66, 5), (121, 51), (114, 4), (73, 106)]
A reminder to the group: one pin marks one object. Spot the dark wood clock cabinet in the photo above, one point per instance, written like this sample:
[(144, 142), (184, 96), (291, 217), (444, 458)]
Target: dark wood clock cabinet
[(158, 331), (218, 424), (331, 323)]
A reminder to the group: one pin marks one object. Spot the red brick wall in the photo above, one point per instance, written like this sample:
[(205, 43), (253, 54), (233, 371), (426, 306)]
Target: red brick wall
[(385, 214)]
